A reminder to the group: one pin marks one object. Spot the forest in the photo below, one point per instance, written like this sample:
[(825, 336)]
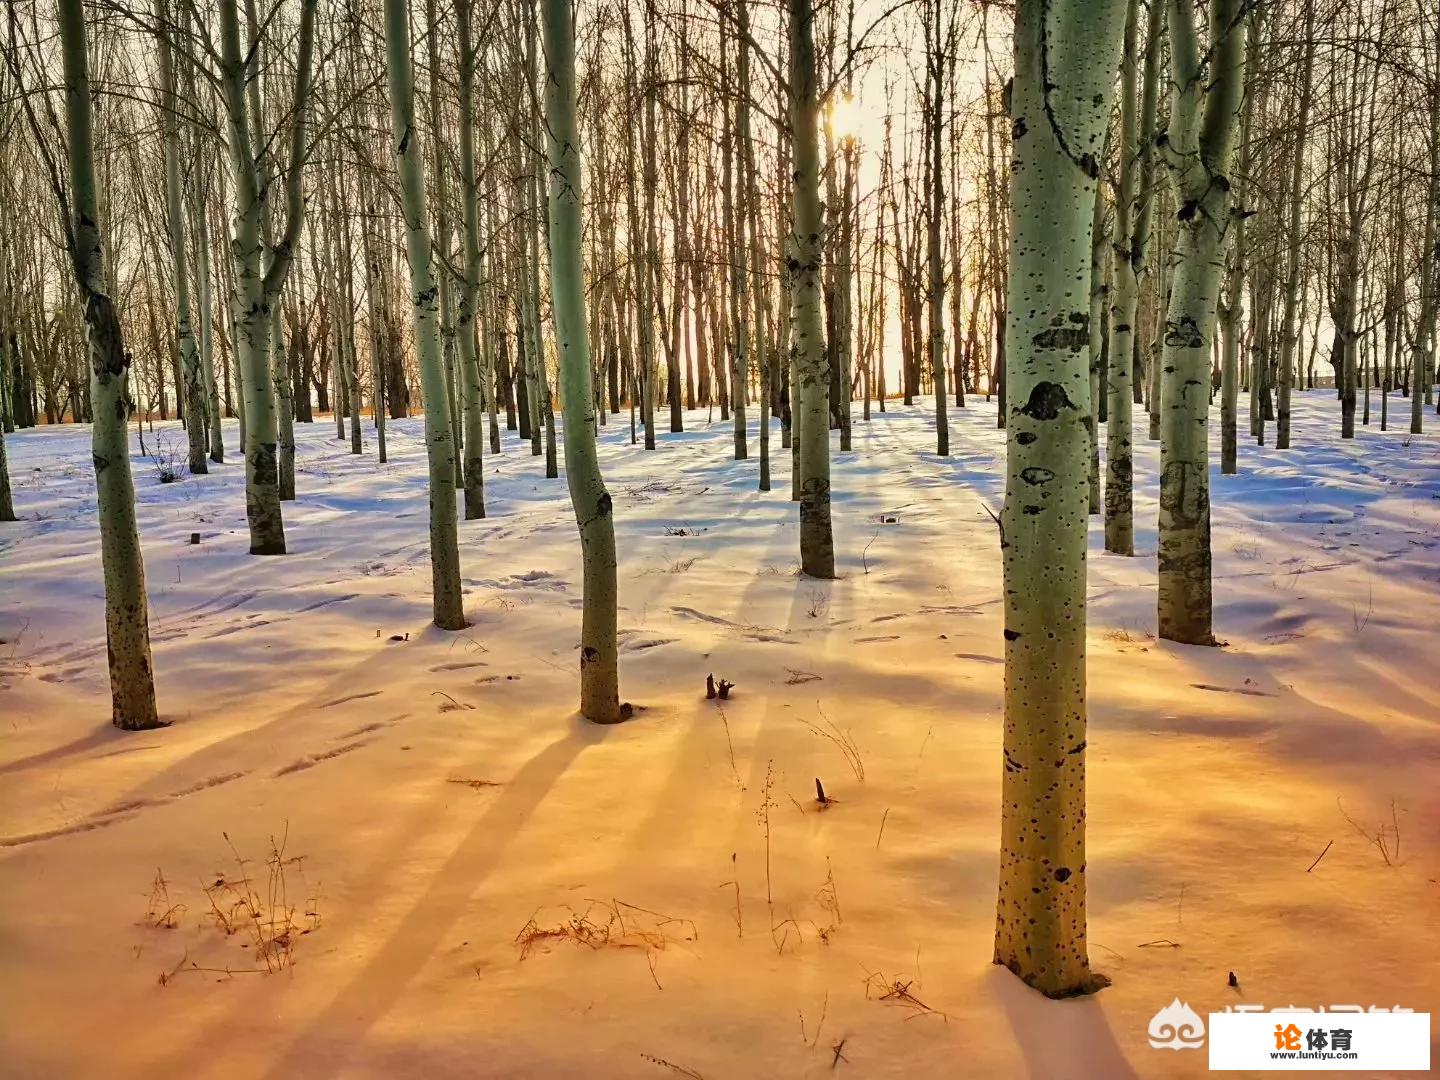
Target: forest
[(710, 538)]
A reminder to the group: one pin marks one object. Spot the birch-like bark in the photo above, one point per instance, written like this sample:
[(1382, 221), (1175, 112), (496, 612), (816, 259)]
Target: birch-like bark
[(7, 501), (1099, 300), (491, 328), (1421, 362), (647, 271), (194, 378), (339, 389), (257, 285), (1197, 148), (935, 64), (284, 400), (1230, 348), (127, 621), (377, 292), (1289, 331), (207, 331), (251, 319), (1065, 57), (805, 257), (1132, 235), (197, 208), (471, 402), (842, 256), (599, 651), (278, 366), (441, 184), (10, 396), (439, 434), (735, 218), (542, 229), (751, 181), (530, 269), (1231, 303)]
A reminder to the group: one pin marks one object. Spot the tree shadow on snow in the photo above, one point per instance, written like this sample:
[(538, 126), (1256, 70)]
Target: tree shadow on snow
[(1060, 1039)]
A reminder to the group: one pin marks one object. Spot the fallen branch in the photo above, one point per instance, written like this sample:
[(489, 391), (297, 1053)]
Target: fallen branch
[(1320, 856)]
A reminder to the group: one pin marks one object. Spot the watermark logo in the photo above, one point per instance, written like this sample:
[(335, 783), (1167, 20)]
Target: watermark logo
[(1343, 1037), (1337, 1038), (1317, 1040), (1177, 1027)]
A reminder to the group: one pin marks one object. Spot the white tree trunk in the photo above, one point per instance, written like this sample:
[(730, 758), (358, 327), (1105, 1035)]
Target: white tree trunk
[(439, 434), (1131, 240), (935, 301), (806, 255), (1289, 333), (257, 281), (1065, 57), (470, 376), (207, 351), (127, 620), (599, 652), (1198, 149), (1422, 362), (190, 369)]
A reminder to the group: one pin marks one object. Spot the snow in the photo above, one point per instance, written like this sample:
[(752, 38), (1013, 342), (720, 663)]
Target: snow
[(1216, 775)]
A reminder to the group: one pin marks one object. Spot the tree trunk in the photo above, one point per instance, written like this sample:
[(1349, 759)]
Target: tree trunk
[(805, 258), (127, 620), (1231, 303), (252, 320), (191, 372), (1422, 364), (1198, 149), (1065, 57), (470, 374), (7, 503), (935, 62), (257, 285), (1289, 333), (1096, 343), (1131, 239), (599, 652), (439, 433), (207, 351)]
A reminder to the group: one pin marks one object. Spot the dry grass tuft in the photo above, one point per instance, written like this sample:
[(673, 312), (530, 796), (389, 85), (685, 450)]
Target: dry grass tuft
[(679, 566), (162, 912), (1246, 550), (898, 990), (1385, 838), (843, 740), (828, 897), (611, 924), (262, 914), (1127, 636)]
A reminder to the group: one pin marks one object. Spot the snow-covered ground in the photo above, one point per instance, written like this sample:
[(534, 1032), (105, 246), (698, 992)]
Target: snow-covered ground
[(1217, 776)]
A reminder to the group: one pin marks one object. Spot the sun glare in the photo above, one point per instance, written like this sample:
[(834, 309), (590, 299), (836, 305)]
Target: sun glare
[(845, 116)]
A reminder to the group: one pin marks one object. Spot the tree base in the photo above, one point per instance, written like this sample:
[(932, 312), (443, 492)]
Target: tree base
[(1088, 983), (625, 712), (148, 723), (1206, 640)]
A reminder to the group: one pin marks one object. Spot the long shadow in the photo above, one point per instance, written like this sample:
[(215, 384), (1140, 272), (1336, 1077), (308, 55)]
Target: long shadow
[(701, 730), (1060, 1039), (1327, 736), (219, 752), (101, 736), (338, 1033)]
